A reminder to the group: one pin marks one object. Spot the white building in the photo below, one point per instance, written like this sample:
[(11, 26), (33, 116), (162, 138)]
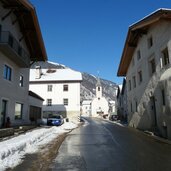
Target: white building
[(122, 106), (146, 64), (99, 105), (60, 88), (20, 43), (86, 108)]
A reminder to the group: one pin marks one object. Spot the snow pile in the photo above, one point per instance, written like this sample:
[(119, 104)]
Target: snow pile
[(13, 150)]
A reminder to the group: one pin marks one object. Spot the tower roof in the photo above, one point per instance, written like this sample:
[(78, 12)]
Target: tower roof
[(98, 84)]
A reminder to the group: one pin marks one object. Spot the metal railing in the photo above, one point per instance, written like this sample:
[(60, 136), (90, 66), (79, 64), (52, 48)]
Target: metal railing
[(7, 38)]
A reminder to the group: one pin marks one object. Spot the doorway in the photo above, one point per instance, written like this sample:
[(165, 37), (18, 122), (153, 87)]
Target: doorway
[(153, 111), (3, 113)]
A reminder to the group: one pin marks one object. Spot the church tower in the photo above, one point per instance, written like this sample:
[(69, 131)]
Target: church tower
[(98, 89)]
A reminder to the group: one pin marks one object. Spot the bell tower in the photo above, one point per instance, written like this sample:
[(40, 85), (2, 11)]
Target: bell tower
[(98, 89)]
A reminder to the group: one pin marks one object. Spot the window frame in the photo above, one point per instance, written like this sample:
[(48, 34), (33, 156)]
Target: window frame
[(7, 73), (21, 81), (150, 42), (129, 83), (152, 64), (49, 87), (65, 87), (18, 116), (165, 57), (138, 55), (134, 81), (140, 77), (65, 102), (49, 102)]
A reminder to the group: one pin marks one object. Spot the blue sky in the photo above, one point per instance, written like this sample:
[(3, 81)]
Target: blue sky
[(89, 35)]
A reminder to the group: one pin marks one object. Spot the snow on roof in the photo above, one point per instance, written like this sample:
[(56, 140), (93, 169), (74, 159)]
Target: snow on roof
[(56, 75), (54, 63), (160, 9)]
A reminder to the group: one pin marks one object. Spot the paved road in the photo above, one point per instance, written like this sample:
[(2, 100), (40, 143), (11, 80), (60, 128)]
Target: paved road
[(104, 146)]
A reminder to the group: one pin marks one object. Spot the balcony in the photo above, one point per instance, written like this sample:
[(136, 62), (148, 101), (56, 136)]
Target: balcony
[(12, 49)]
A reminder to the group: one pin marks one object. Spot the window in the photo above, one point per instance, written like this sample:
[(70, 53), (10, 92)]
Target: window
[(140, 76), (138, 55), (98, 88), (134, 81), (133, 62), (165, 58), (49, 102), (131, 107), (7, 72), (130, 85), (65, 87), (10, 40), (163, 97), (49, 88), (18, 110), (150, 42), (136, 106), (21, 81), (152, 66), (65, 101)]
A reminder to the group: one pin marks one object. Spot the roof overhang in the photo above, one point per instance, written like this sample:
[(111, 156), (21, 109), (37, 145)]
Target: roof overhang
[(27, 18), (135, 32)]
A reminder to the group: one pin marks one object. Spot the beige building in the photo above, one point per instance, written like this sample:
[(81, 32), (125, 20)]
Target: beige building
[(145, 62), (20, 44), (99, 105)]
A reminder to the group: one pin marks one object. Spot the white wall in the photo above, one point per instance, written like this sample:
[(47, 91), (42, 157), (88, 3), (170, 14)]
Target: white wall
[(101, 104), (10, 90), (57, 95), (143, 118)]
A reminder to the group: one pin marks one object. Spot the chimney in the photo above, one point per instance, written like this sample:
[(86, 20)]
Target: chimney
[(38, 72)]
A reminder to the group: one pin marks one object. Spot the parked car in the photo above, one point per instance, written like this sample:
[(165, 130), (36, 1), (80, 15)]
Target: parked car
[(55, 120), (113, 117)]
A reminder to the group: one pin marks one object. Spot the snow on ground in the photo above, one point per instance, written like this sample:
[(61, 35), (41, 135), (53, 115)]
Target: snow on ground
[(13, 150)]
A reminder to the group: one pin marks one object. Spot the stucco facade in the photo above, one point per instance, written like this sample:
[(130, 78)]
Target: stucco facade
[(148, 84), (86, 108), (60, 96), (15, 57), (99, 105)]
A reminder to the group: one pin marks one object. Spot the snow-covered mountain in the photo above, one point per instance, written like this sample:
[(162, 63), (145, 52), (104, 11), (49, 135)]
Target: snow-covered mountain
[(88, 84)]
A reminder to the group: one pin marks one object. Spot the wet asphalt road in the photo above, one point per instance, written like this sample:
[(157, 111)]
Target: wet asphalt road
[(104, 146)]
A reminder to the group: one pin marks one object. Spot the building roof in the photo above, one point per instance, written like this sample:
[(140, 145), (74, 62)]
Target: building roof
[(56, 75), (135, 31), (27, 18), (32, 94)]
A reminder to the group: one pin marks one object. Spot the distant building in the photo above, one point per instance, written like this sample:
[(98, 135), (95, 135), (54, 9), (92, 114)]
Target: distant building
[(60, 89), (99, 105), (21, 43), (112, 107), (146, 64), (122, 110), (86, 108)]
